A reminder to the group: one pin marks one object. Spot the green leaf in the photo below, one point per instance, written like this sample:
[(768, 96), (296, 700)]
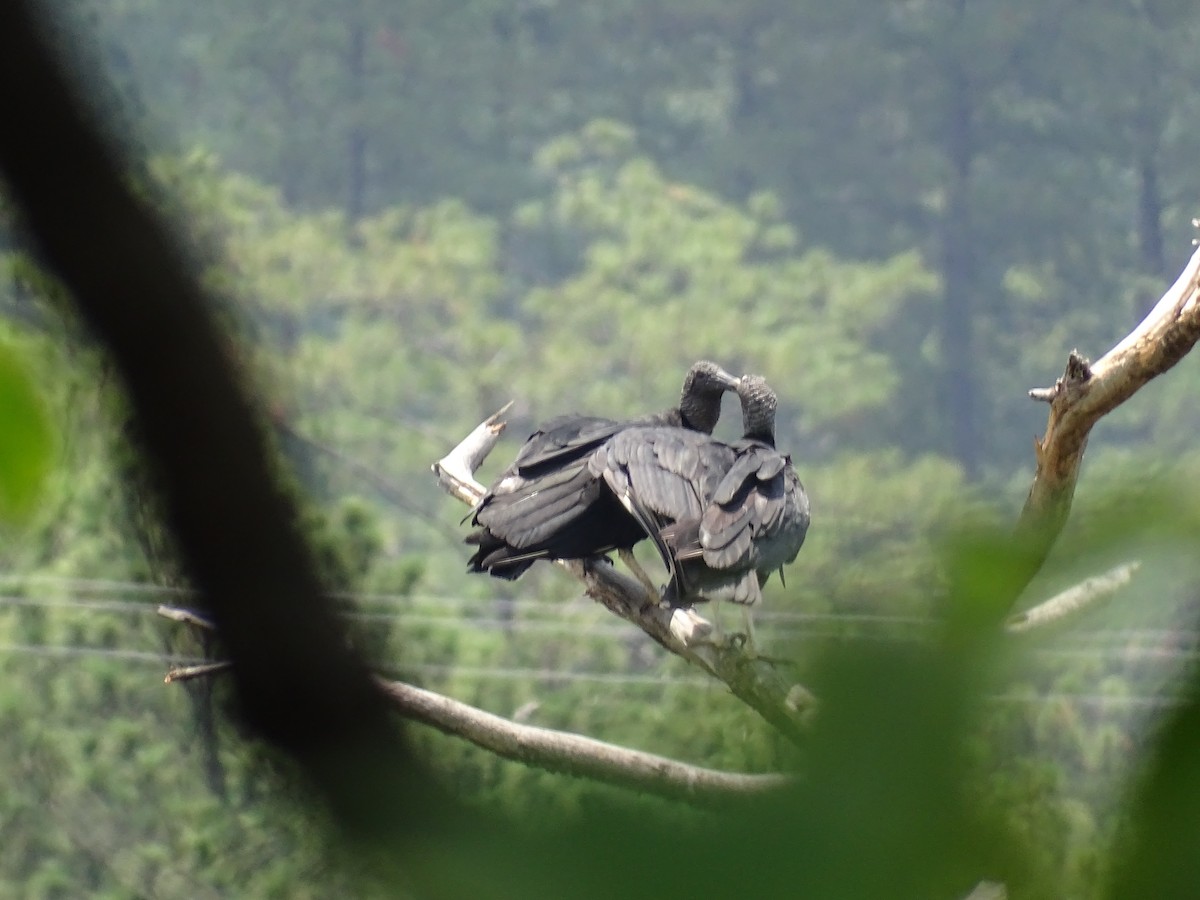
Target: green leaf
[(25, 439)]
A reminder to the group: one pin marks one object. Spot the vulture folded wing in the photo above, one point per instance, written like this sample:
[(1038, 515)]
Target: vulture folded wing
[(541, 509), (554, 500), (742, 472), (563, 440), (727, 536), (663, 476), (770, 464), (796, 515), (668, 471)]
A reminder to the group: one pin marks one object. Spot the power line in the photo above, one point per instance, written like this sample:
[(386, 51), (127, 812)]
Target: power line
[(486, 673), (103, 585), (83, 602), (501, 673), (1098, 642), (70, 650), (78, 603), (1123, 653), (559, 609), (1149, 701), (96, 584), (556, 607)]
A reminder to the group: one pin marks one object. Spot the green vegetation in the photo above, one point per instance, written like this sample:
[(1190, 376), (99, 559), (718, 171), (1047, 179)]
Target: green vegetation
[(411, 215)]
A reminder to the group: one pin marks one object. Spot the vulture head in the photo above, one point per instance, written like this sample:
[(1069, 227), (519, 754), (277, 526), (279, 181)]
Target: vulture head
[(758, 408), (703, 388)]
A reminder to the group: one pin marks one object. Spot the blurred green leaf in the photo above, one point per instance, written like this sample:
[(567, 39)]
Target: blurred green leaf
[(26, 439)]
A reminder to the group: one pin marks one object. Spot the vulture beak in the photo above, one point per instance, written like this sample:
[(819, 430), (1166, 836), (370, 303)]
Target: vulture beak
[(727, 381)]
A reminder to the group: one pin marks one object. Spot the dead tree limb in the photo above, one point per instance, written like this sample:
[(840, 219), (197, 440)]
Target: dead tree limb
[(1073, 599), (555, 751), (758, 682), (542, 748), (186, 617), (200, 670), (572, 754), (1088, 391)]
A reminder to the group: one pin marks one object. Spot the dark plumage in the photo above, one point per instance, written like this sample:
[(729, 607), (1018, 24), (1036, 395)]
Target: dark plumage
[(549, 504), (722, 516)]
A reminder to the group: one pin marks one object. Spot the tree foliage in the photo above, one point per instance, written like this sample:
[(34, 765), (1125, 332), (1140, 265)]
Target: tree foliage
[(414, 213)]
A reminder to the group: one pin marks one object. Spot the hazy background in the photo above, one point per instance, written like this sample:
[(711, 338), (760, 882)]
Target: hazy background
[(904, 215)]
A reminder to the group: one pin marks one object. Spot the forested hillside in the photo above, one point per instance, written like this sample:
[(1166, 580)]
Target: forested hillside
[(903, 216)]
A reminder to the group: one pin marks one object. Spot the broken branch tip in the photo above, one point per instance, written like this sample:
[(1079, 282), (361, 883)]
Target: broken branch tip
[(493, 420)]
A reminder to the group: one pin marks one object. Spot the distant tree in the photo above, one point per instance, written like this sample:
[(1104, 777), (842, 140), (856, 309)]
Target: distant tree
[(888, 743)]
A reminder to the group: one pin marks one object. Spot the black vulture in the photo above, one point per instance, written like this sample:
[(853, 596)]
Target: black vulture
[(722, 516), (549, 504)]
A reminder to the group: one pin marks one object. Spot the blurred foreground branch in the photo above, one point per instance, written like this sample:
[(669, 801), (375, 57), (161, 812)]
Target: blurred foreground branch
[(299, 684), (756, 681)]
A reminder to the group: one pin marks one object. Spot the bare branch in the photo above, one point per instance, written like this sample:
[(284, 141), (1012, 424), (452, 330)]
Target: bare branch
[(1085, 393), (572, 754), (756, 681), (1073, 599), (555, 751), (456, 470), (201, 670), (186, 616)]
